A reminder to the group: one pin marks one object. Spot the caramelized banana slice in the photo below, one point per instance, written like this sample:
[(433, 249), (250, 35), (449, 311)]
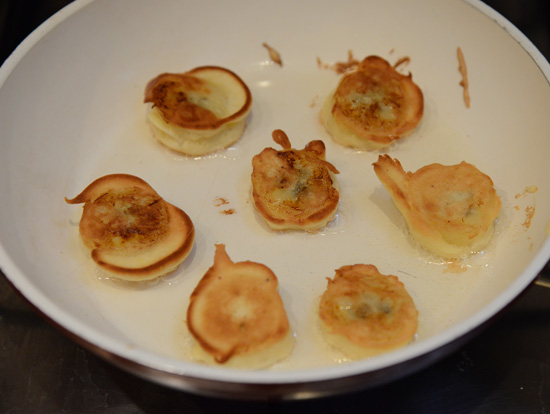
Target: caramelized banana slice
[(237, 316), (132, 233), (294, 189), (373, 106), (364, 313), (200, 111), (449, 210)]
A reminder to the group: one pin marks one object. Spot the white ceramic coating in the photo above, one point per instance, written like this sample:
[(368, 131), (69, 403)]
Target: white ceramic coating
[(71, 111)]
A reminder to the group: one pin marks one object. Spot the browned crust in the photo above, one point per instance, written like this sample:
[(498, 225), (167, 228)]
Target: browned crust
[(107, 182), (449, 209), (273, 309), (178, 221), (314, 155), (310, 220), (281, 138), (200, 120), (161, 266), (402, 61), (376, 74), (394, 182), (370, 310)]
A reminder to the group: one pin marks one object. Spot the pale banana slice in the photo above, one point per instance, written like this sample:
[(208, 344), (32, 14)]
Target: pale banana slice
[(294, 189), (450, 210), (132, 233), (237, 317), (373, 106), (200, 111), (364, 313)]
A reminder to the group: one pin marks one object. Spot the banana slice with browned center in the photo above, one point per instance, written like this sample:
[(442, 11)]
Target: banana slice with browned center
[(294, 189), (200, 111), (132, 233), (449, 209), (364, 313), (237, 317), (373, 106)]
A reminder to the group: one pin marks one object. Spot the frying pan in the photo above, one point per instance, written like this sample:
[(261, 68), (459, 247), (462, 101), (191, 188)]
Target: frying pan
[(71, 110)]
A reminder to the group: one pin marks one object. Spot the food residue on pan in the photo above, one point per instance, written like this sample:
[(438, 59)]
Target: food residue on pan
[(221, 201), (352, 63), (314, 101), (403, 61), (530, 209), (340, 67), (529, 214), (464, 72), (454, 266), (530, 189), (273, 54)]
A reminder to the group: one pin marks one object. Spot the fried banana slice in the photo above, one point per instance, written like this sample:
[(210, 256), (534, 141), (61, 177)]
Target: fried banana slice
[(449, 209), (294, 189), (132, 233), (237, 316), (364, 313), (372, 106), (200, 111)]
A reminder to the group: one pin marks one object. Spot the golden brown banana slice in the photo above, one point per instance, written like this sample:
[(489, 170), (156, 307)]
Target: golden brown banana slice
[(373, 106), (237, 316), (449, 209), (294, 189), (364, 313), (133, 234), (200, 111)]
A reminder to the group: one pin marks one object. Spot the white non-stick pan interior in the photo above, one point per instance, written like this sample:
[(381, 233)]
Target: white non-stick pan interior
[(71, 110)]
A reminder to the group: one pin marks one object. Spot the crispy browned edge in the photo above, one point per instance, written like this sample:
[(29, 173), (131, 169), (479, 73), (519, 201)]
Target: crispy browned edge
[(221, 258), (419, 113), (386, 180), (318, 216), (175, 257), (245, 108), (318, 148)]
